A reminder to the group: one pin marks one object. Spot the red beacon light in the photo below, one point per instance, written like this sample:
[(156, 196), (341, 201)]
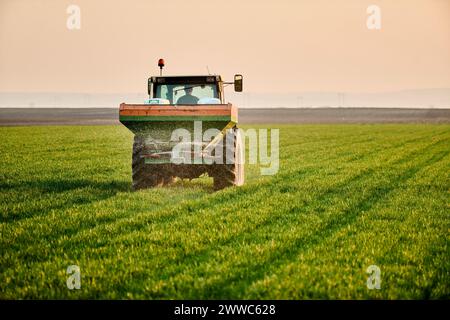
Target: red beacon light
[(161, 66)]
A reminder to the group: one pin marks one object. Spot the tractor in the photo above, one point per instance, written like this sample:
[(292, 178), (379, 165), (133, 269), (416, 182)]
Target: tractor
[(185, 129)]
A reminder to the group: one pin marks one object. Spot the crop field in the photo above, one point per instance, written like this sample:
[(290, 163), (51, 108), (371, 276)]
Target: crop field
[(345, 197)]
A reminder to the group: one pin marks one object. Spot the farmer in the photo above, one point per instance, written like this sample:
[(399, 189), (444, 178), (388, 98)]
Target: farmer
[(188, 98)]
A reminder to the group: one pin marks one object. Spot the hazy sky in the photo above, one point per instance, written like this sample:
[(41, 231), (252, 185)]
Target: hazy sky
[(279, 46)]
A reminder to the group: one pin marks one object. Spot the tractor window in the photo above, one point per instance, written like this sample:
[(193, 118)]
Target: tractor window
[(173, 92)]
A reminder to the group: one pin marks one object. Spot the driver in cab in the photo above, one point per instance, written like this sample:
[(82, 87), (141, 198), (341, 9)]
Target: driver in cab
[(188, 98)]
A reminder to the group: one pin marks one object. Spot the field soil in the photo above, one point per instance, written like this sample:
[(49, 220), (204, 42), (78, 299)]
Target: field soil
[(102, 116)]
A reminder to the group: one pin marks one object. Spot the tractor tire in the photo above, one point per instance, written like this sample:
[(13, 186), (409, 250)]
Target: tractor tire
[(147, 175), (227, 175)]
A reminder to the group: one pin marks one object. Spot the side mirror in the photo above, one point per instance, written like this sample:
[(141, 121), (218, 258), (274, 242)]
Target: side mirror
[(238, 82)]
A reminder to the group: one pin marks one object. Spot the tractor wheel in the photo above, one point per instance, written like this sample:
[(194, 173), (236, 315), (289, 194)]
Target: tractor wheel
[(146, 175), (226, 175)]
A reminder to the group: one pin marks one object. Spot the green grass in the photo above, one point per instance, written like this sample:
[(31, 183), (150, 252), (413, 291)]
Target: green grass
[(346, 197)]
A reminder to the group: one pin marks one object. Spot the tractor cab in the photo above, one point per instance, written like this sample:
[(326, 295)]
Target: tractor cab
[(189, 90)]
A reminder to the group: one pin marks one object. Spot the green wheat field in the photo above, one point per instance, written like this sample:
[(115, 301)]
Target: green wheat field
[(345, 197)]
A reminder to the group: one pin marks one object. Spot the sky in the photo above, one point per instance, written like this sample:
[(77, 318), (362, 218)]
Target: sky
[(280, 46)]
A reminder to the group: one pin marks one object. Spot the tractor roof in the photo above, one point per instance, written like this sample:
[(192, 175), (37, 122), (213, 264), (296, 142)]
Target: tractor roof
[(186, 79), (190, 76)]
